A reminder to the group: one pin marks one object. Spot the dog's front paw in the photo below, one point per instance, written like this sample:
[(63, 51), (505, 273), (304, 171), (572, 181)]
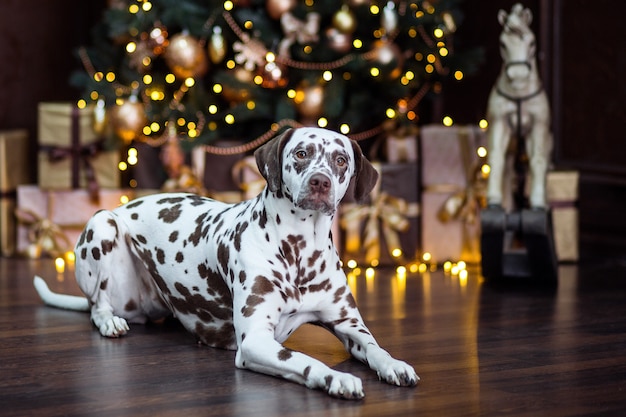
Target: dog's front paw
[(399, 373), (114, 327), (343, 385)]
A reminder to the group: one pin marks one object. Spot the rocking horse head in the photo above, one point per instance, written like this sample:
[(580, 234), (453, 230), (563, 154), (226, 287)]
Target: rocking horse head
[(517, 47)]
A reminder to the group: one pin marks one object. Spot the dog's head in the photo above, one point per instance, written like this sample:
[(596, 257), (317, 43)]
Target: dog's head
[(312, 167)]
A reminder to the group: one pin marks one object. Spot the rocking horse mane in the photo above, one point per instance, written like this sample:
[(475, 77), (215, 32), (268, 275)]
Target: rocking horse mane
[(517, 22)]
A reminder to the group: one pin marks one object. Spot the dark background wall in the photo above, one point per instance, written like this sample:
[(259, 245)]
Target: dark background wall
[(581, 57)]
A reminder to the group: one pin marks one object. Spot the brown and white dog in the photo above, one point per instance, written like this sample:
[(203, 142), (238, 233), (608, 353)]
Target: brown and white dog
[(240, 276)]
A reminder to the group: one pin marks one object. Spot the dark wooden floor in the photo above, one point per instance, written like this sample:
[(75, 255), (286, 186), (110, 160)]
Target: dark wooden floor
[(480, 351)]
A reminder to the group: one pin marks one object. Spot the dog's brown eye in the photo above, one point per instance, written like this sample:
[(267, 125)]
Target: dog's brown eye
[(300, 154), (341, 161)]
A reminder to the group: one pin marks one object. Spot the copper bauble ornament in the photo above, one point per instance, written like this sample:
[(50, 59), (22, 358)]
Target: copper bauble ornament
[(276, 8), (344, 20), (339, 41), (128, 119), (238, 93), (186, 57), (309, 99)]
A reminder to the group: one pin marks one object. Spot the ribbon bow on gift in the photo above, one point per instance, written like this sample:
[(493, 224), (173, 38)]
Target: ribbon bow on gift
[(390, 212), (302, 31), (43, 234), (251, 184)]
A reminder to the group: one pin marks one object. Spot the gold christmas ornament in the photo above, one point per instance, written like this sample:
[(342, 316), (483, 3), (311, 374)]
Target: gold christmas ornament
[(128, 119), (186, 57), (275, 8), (217, 46), (309, 99), (100, 118), (339, 41), (344, 20)]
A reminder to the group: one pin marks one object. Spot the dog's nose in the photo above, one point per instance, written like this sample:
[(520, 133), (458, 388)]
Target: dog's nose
[(319, 183)]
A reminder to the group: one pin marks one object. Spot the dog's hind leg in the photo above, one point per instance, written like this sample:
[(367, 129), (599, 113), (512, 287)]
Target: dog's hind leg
[(101, 256)]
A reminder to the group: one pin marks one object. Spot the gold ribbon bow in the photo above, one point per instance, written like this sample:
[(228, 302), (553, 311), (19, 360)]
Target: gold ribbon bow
[(302, 31), (251, 184), (43, 234)]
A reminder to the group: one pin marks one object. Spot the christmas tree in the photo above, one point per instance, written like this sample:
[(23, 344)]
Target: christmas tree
[(194, 71)]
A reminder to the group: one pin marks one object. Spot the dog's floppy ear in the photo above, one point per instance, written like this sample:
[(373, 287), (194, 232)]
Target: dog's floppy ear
[(269, 159), (365, 174)]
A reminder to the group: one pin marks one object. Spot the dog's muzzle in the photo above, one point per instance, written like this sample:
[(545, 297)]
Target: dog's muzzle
[(318, 194)]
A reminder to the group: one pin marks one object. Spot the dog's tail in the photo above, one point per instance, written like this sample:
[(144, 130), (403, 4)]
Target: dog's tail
[(68, 302)]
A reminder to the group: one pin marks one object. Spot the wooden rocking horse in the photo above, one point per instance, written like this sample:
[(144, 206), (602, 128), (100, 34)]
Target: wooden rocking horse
[(519, 117)]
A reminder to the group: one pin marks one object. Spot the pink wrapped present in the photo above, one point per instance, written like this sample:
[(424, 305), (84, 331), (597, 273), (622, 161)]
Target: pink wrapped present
[(452, 192), (50, 222)]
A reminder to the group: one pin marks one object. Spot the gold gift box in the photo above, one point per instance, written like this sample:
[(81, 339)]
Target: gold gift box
[(562, 191), (14, 170), (64, 133)]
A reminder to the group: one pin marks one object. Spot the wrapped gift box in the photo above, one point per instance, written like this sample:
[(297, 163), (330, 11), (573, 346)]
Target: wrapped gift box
[(51, 221), (562, 192), (14, 170), (70, 152), (248, 178), (401, 145), (388, 222), (216, 171), (452, 192)]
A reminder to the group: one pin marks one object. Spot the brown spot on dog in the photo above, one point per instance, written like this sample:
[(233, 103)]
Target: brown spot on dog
[(306, 372), (89, 235), (223, 255), (107, 246), (134, 216), (322, 286), (350, 300), (170, 200), (284, 355), (173, 236), (328, 380), (131, 305), (95, 252), (222, 337), (81, 239), (83, 253), (238, 232), (251, 302), (262, 286), (338, 294), (141, 239), (313, 258), (170, 214), (134, 204), (160, 255), (103, 284), (179, 257)]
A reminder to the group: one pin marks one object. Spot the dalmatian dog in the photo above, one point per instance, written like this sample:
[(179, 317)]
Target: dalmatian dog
[(241, 276)]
